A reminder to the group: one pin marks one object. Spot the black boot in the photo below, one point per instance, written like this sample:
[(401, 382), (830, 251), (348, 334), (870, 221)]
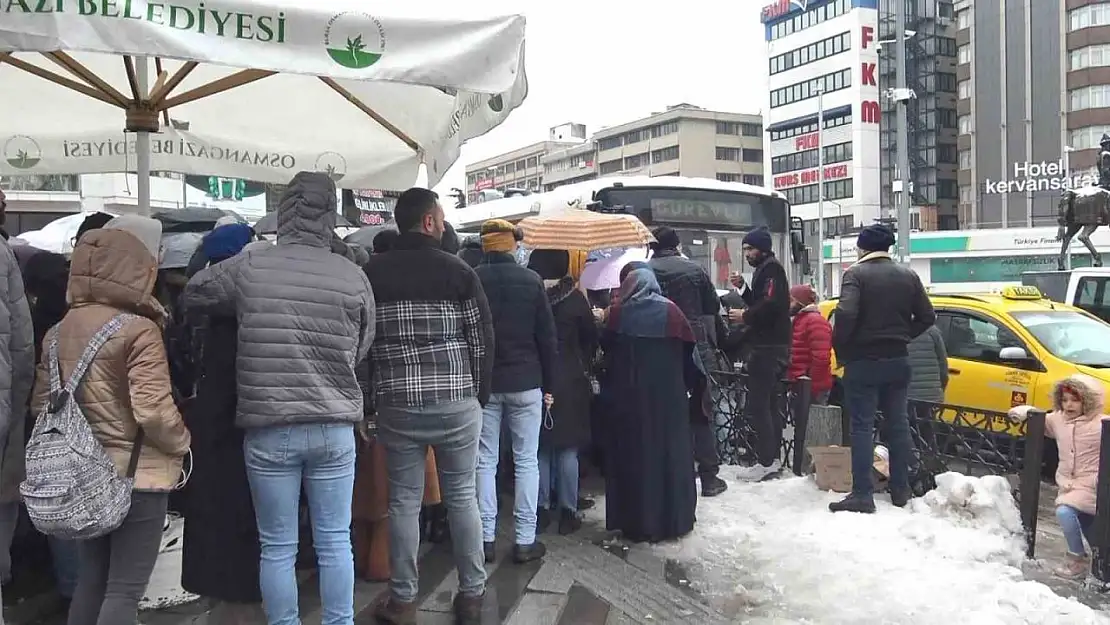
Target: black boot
[(543, 519), (439, 530), (423, 521), (899, 497), (585, 503), (569, 522), (489, 550), (711, 486), (853, 503), (528, 553)]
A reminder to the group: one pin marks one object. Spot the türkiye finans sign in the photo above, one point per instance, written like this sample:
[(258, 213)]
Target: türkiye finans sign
[(1042, 176)]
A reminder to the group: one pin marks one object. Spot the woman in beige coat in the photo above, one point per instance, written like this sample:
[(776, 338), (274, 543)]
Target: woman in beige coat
[(125, 393)]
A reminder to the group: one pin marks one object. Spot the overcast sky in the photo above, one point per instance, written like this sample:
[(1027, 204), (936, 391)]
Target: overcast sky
[(606, 62)]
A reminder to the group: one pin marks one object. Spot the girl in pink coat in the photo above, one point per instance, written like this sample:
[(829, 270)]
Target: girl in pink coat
[(1076, 424)]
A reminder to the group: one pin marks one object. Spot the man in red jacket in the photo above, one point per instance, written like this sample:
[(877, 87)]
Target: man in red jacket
[(811, 348)]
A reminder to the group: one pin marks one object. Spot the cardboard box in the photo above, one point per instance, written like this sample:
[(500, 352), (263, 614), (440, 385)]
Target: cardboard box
[(833, 466)]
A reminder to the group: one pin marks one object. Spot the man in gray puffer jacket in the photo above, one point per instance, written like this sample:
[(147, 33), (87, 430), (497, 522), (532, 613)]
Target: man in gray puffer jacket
[(306, 317), (928, 367)]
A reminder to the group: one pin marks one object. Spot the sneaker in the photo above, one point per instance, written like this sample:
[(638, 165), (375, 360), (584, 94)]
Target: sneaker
[(543, 519), (853, 503), (390, 610), (585, 503), (711, 486), (569, 522), (468, 610), (1074, 567), (490, 551), (900, 497), (528, 553), (758, 472)]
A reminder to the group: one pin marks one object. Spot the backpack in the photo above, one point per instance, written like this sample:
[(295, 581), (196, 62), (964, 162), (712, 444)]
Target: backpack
[(73, 489)]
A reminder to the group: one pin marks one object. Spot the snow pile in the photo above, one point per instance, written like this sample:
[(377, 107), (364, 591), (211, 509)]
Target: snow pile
[(772, 552)]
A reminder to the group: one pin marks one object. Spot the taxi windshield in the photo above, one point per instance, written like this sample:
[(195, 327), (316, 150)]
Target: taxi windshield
[(1070, 336)]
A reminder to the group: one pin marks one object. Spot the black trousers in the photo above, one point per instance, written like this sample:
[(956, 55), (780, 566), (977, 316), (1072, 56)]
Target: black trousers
[(767, 365)]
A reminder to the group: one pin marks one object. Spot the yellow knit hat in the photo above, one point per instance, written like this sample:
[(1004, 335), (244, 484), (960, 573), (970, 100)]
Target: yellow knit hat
[(498, 236)]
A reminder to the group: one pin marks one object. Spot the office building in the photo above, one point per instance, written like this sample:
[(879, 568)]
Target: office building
[(931, 121), (1033, 82), (684, 140)]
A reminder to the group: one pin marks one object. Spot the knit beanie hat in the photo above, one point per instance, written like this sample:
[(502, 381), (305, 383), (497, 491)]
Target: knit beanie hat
[(498, 236), (803, 294), (875, 238), (665, 239), (145, 229), (760, 239)]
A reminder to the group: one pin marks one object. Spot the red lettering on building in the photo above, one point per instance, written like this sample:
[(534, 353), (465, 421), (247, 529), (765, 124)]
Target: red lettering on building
[(832, 172), (806, 142), (867, 36), (869, 112), (868, 70), (775, 9), (482, 185)]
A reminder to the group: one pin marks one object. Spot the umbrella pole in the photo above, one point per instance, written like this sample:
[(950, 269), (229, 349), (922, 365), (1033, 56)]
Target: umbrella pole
[(142, 141)]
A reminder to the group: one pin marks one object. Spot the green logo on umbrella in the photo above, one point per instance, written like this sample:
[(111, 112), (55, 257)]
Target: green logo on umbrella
[(21, 152), (354, 40)]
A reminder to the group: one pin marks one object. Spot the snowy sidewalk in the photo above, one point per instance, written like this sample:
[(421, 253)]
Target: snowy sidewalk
[(773, 553)]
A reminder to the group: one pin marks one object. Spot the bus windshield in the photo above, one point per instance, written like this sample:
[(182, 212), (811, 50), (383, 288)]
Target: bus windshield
[(698, 208)]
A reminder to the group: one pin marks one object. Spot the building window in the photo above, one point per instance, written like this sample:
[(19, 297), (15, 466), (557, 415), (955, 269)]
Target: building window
[(963, 54), (728, 154), (808, 54), (520, 166), (947, 189), (1092, 97), (1090, 56), (946, 117), (509, 168), (662, 130), (726, 177), (946, 82), (807, 159), (751, 130), (946, 153), (965, 125), (963, 19), (752, 156), (836, 190), (965, 159), (801, 21), (728, 128), (609, 167), (807, 89), (635, 136), (805, 129), (965, 193), (752, 179), (1086, 138), (1089, 16), (664, 155), (946, 46), (963, 89), (533, 161), (636, 162), (609, 143)]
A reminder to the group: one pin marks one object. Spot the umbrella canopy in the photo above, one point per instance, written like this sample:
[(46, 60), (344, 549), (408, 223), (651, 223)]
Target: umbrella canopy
[(252, 89), (192, 219), (268, 224), (584, 230), (603, 272), (365, 236), (56, 236)]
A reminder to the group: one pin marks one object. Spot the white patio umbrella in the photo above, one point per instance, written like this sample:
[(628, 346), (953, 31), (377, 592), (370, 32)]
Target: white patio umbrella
[(251, 89)]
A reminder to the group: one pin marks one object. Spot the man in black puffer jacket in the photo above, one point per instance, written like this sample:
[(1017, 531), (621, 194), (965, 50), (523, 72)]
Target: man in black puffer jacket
[(769, 334), (523, 366)]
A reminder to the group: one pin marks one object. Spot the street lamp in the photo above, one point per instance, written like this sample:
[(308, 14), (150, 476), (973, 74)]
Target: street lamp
[(901, 95)]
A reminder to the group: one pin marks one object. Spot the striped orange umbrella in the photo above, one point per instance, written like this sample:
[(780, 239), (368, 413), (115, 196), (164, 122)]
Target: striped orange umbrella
[(584, 230)]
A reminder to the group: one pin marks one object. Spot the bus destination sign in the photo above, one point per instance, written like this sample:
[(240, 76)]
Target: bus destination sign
[(702, 213)]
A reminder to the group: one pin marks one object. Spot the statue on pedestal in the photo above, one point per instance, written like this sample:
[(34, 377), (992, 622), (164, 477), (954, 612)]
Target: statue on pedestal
[(1084, 209)]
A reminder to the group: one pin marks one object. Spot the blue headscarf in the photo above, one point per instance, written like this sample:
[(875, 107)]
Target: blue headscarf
[(643, 312), (226, 241)]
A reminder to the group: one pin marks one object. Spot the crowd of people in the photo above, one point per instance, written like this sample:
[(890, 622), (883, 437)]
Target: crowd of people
[(396, 390)]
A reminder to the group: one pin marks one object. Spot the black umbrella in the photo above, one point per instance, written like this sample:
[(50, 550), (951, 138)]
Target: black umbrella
[(268, 224), (364, 236), (192, 219)]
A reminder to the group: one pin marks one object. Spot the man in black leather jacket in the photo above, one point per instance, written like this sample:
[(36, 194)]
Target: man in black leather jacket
[(882, 307)]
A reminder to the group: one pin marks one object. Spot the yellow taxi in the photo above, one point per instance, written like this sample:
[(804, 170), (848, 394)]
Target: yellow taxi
[(1009, 348)]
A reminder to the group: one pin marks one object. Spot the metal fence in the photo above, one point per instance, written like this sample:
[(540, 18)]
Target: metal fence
[(946, 438)]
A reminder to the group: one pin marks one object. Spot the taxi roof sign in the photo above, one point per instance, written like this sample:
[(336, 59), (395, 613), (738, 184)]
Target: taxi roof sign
[(1022, 292)]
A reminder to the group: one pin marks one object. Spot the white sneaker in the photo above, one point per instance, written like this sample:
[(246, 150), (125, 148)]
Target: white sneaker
[(758, 472)]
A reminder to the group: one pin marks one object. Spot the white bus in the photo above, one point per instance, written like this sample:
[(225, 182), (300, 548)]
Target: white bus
[(710, 216)]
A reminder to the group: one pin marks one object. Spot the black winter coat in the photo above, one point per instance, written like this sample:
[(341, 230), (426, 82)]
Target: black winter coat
[(577, 338), (220, 552)]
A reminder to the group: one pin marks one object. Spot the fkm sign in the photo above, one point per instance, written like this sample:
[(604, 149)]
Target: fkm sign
[(779, 8), (832, 172)]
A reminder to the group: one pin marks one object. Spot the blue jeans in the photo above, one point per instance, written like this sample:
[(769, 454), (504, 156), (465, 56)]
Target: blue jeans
[(871, 385), (322, 457), (1075, 525), (63, 554), (523, 412), (559, 468), (452, 430)]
